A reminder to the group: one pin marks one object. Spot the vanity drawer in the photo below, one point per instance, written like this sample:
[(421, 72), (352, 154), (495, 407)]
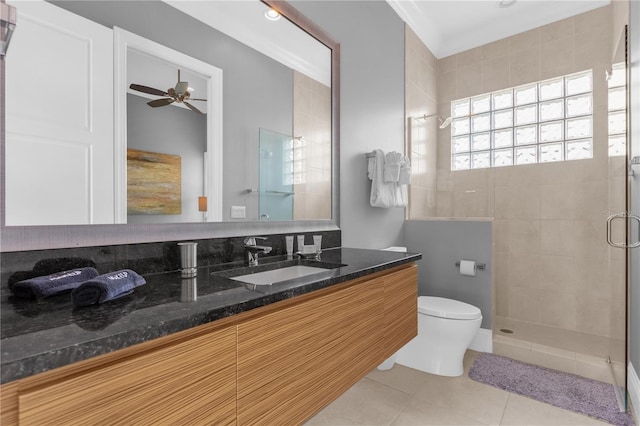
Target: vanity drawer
[(192, 382), (294, 361), (400, 308)]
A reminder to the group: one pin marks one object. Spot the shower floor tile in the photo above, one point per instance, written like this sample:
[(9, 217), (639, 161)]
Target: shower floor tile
[(560, 349), (569, 340)]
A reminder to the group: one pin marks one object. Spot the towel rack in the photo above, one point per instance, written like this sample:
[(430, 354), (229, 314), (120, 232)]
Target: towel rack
[(268, 191), (371, 154)]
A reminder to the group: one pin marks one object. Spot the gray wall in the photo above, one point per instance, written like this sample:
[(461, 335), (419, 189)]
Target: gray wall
[(175, 131), (442, 243), (634, 325), (371, 37), (257, 91)]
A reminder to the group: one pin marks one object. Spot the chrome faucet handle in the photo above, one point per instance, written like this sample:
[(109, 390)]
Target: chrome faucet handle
[(251, 241), (252, 249)]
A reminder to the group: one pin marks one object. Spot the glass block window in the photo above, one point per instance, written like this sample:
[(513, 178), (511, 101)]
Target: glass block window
[(551, 120), (617, 106), (294, 158)]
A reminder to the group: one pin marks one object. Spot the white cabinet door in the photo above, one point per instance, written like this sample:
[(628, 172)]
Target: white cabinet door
[(59, 119)]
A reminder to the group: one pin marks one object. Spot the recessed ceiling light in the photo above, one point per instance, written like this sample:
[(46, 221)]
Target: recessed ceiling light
[(506, 3), (272, 15)]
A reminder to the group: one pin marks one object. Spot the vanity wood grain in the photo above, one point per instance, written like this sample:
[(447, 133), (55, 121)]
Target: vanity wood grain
[(299, 359), (279, 364)]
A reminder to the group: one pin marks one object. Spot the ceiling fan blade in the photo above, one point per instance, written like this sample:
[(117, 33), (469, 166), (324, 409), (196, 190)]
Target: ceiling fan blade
[(196, 99), (149, 90), (192, 108), (160, 102)]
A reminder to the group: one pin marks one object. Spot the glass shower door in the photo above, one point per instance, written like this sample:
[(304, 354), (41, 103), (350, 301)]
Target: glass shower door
[(621, 223), (276, 176)]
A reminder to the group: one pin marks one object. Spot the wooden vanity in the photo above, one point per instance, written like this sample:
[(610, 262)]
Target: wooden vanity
[(274, 365)]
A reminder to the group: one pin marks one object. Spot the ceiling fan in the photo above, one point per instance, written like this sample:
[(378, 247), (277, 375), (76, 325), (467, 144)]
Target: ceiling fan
[(178, 94)]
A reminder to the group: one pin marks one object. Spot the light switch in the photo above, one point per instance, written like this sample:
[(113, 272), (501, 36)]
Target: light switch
[(238, 212)]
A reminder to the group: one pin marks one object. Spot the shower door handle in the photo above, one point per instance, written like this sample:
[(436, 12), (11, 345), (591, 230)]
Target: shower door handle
[(637, 242), (624, 215)]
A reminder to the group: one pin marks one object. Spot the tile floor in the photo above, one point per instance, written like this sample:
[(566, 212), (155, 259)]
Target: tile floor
[(403, 396)]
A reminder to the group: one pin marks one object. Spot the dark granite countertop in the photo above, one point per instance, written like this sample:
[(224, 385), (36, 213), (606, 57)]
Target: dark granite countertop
[(39, 335)]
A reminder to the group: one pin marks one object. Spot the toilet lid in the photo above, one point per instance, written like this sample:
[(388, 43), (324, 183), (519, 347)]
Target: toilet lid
[(447, 308)]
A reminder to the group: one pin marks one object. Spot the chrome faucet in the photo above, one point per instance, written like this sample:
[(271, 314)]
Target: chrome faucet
[(252, 249)]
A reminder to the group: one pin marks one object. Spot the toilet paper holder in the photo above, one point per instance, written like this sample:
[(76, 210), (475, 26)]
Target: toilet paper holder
[(480, 266)]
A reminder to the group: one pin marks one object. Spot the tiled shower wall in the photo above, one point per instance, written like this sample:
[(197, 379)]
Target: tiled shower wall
[(421, 99), (311, 122), (552, 264)]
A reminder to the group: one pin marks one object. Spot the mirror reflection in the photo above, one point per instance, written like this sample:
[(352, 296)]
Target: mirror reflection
[(165, 127)]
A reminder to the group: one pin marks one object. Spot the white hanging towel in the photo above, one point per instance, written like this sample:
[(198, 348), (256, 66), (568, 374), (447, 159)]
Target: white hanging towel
[(383, 194), (402, 195), (405, 171), (371, 167), (404, 179), (392, 162)]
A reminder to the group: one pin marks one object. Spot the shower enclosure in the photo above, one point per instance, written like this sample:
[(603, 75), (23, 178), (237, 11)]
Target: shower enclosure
[(276, 176), (620, 150), (559, 288), (581, 322)]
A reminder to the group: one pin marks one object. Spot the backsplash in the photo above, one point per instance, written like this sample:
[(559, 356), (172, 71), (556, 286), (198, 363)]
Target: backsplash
[(146, 258)]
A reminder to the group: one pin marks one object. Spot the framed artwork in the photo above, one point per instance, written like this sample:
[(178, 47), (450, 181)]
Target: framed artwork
[(154, 183)]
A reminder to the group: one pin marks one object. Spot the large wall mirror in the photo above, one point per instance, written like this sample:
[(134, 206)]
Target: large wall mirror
[(118, 129)]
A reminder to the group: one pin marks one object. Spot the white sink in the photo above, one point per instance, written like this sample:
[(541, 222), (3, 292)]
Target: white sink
[(277, 275)]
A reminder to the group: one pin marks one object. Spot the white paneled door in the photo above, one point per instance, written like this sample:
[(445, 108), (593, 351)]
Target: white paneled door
[(59, 119)]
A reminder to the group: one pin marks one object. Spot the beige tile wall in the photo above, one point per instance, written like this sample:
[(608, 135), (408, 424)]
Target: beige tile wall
[(420, 89), (312, 121), (552, 265)]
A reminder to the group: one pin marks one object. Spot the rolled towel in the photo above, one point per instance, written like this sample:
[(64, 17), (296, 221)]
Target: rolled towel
[(49, 285), (391, 172), (106, 287), (51, 266), (18, 276), (371, 167), (392, 166), (405, 172)]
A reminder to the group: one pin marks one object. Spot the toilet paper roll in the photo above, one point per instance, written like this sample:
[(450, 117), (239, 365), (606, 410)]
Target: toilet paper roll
[(468, 267)]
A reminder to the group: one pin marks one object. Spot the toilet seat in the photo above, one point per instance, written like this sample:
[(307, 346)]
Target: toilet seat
[(447, 308)]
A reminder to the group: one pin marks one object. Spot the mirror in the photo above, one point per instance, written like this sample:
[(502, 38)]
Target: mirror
[(240, 173), (241, 90), (172, 141)]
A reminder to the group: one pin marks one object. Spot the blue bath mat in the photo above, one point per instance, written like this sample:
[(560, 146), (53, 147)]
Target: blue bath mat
[(590, 397)]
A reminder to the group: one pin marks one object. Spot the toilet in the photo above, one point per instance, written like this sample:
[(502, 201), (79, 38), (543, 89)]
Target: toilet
[(446, 327)]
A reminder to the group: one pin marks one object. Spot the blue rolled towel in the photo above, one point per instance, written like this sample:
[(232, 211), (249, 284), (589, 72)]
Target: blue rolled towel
[(49, 285), (106, 287), (50, 266)]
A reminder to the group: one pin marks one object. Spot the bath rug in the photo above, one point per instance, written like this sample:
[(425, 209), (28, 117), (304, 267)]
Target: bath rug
[(581, 395)]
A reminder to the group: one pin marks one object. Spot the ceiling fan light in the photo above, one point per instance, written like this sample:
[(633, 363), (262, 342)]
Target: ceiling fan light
[(182, 87)]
